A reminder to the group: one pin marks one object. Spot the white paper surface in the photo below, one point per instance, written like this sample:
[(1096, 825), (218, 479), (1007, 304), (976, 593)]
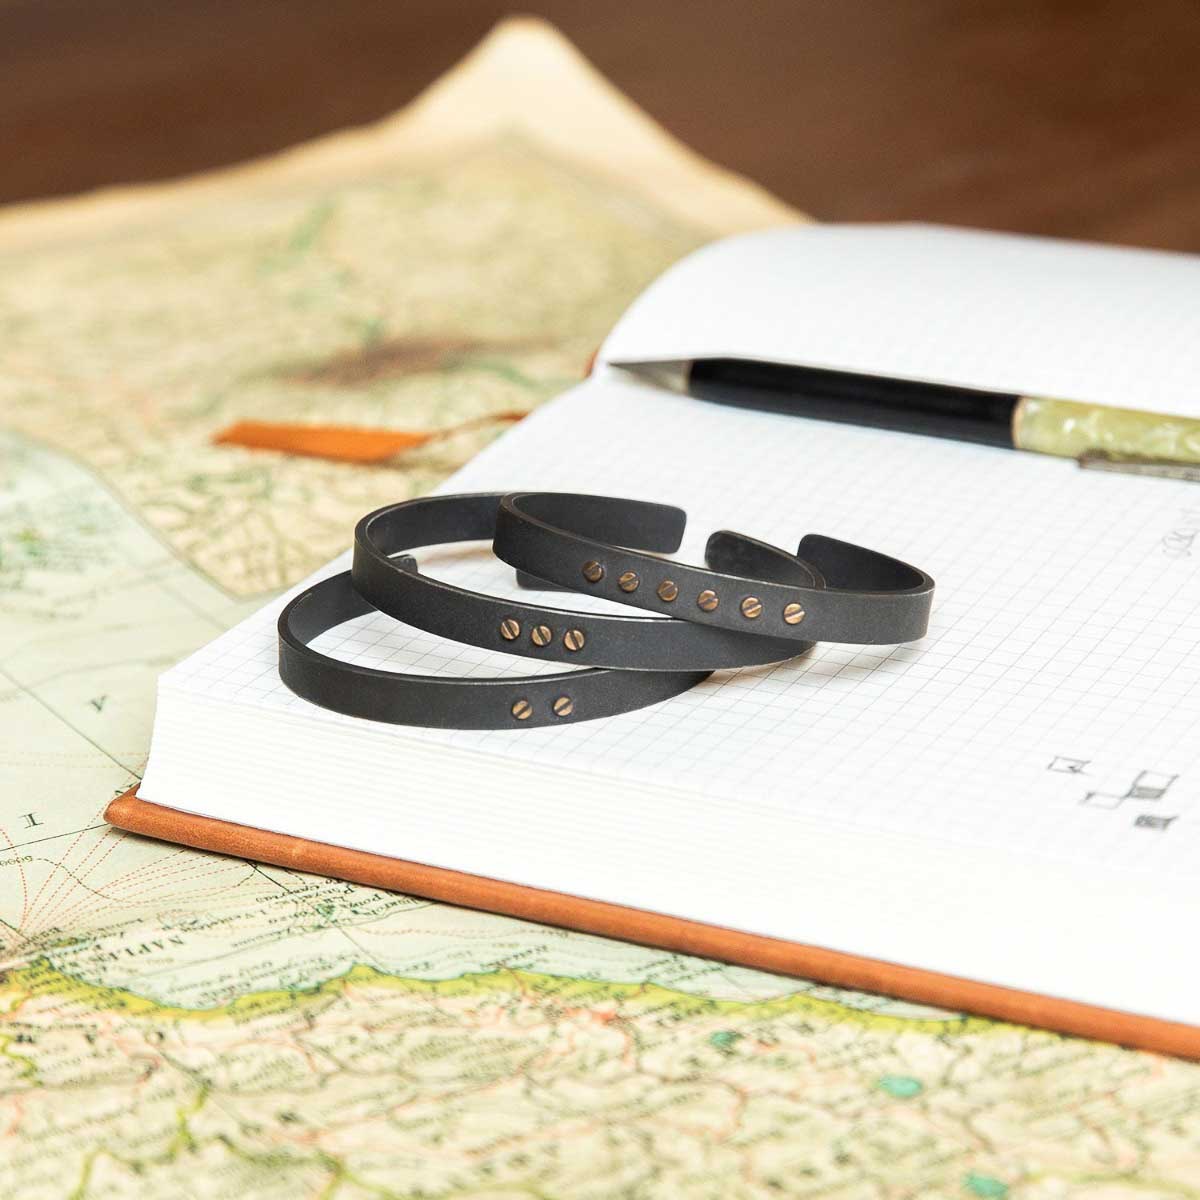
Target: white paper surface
[(1036, 316), (1013, 799)]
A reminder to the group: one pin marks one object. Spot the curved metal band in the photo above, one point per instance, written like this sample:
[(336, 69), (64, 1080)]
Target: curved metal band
[(583, 542), (393, 585), (448, 703)]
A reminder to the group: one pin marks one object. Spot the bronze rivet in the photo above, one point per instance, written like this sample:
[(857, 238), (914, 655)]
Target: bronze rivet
[(540, 635), (708, 600), (629, 582), (668, 590), (564, 706), (793, 613), (573, 639), (751, 608), (522, 710), (510, 629), (593, 571)]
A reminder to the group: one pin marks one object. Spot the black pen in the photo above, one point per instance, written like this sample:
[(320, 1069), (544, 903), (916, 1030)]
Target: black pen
[(1066, 428)]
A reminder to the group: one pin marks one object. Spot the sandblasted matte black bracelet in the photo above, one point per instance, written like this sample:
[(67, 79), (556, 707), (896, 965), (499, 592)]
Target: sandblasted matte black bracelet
[(393, 585), (448, 703), (867, 597)]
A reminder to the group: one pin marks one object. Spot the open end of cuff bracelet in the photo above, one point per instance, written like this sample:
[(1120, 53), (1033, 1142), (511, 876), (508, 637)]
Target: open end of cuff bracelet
[(657, 528)]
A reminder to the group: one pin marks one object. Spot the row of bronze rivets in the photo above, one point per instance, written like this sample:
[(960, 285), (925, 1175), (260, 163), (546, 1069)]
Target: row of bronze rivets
[(541, 635), (522, 710), (708, 600)]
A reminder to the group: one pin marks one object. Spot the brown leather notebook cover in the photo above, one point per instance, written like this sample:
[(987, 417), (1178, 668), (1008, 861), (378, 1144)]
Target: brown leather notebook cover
[(653, 929)]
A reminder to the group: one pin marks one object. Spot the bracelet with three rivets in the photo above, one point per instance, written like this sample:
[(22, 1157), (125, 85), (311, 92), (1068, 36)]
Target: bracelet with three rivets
[(392, 583), (598, 544), (448, 702)]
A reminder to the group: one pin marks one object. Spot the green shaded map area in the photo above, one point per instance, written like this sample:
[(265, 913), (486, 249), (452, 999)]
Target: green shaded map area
[(181, 1025), (513, 1083)]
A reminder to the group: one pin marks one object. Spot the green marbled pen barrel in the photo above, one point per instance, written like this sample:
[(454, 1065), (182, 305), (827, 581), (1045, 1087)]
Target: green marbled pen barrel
[(1070, 429)]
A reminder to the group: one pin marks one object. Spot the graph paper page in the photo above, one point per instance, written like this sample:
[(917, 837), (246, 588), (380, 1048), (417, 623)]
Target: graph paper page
[(1038, 746)]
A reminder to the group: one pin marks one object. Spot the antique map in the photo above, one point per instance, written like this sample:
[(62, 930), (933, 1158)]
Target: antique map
[(176, 1024)]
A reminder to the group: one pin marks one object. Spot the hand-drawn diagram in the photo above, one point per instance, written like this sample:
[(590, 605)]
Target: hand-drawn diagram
[(1150, 821), (1068, 766), (1146, 785)]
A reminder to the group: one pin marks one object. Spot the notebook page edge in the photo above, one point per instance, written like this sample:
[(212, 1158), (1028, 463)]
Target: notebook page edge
[(585, 840)]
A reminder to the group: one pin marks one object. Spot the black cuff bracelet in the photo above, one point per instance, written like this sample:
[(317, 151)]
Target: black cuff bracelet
[(448, 703), (581, 542), (394, 586)]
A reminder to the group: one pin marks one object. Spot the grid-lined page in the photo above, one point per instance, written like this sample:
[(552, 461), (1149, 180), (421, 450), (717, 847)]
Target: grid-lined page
[(1052, 710)]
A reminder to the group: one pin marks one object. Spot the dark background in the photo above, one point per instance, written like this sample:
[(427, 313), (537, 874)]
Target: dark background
[(1049, 116)]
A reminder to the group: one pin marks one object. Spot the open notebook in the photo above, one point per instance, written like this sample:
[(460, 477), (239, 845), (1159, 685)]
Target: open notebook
[(1015, 800)]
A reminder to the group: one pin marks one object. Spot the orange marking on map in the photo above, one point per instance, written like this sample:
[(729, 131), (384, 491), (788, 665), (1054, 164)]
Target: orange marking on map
[(343, 443)]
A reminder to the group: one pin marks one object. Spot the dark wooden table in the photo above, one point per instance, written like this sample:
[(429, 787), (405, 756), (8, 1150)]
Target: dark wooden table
[(1072, 117)]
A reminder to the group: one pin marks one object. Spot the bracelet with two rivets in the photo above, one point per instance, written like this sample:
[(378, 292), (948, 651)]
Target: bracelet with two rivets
[(448, 702)]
